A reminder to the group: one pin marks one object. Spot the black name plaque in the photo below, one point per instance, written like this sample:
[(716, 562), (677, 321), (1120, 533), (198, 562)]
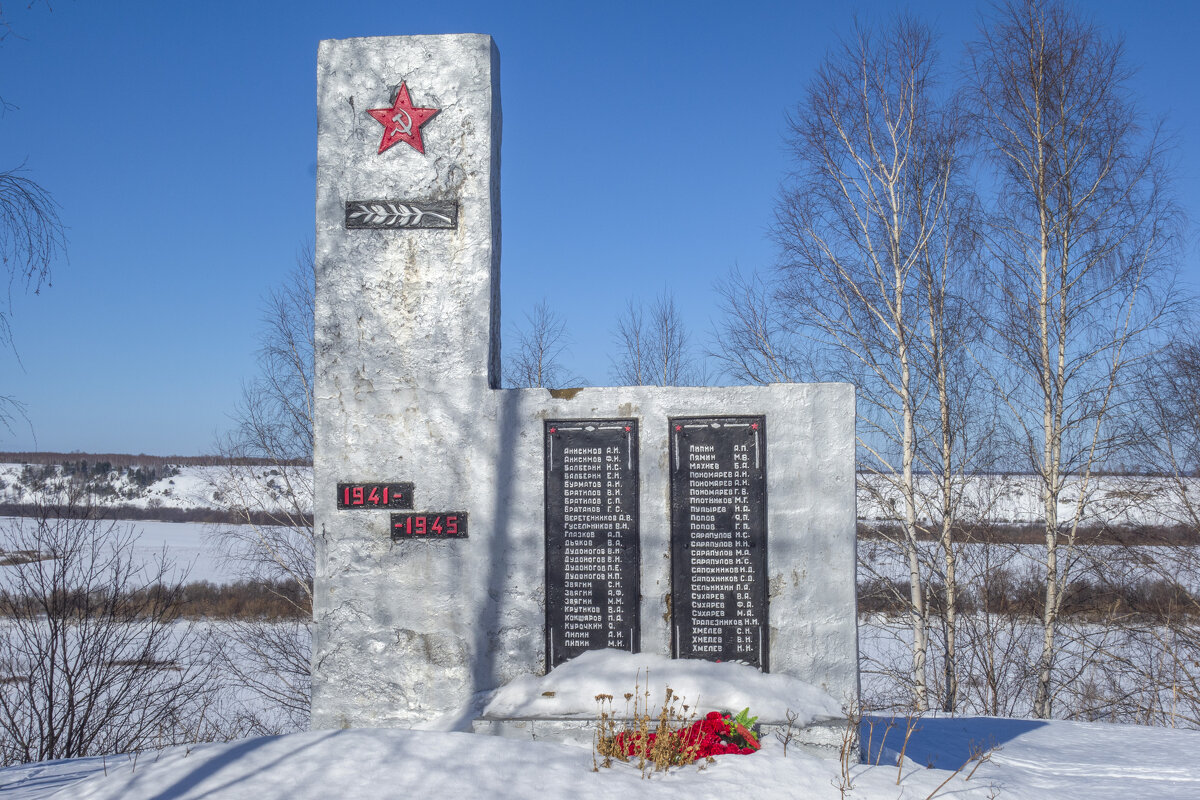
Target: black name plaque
[(719, 539), (593, 581)]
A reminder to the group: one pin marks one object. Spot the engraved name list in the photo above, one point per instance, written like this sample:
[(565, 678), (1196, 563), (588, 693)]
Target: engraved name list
[(592, 557)]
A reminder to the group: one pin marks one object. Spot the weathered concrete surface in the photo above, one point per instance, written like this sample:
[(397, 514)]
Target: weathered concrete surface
[(405, 325), (411, 633)]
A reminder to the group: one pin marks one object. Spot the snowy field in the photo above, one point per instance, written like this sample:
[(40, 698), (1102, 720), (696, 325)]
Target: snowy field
[(1111, 500), (192, 546)]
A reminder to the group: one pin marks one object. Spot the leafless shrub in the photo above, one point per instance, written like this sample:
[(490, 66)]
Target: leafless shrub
[(268, 660), (789, 732), (849, 750), (1145, 600), (93, 654)]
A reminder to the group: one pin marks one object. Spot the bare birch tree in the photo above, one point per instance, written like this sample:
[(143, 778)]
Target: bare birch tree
[(653, 347), (1076, 242), (952, 440), (859, 218)]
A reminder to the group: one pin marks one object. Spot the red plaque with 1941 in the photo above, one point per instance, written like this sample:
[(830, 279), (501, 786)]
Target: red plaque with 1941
[(374, 495)]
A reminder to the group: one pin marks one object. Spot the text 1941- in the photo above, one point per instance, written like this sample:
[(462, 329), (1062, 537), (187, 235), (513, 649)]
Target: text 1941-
[(374, 495)]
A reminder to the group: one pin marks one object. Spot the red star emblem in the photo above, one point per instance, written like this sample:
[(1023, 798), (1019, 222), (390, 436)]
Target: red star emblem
[(402, 122)]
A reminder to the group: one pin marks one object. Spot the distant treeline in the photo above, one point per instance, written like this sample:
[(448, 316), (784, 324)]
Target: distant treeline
[(123, 460), (241, 600), (160, 514), (1034, 533), (1012, 594)]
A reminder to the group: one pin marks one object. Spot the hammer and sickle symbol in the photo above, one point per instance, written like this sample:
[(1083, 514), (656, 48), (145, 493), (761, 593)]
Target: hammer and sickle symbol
[(405, 125)]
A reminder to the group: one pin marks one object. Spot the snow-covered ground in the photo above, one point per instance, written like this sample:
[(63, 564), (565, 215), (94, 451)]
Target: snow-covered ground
[(1021, 758), (1028, 760), (1031, 759), (191, 545)]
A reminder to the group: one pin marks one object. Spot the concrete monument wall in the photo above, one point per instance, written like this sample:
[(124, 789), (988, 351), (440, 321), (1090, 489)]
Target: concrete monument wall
[(412, 631)]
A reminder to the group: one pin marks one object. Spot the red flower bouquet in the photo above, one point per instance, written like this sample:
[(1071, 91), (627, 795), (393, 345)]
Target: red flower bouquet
[(716, 734)]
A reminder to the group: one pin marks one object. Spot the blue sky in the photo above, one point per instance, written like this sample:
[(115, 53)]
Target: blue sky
[(642, 152)]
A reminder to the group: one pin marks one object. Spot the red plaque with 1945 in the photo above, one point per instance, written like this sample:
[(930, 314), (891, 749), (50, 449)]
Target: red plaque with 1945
[(429, 525)]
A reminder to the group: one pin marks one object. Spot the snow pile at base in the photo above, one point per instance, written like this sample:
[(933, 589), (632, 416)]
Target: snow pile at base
[(570, 690), (1031, 759)]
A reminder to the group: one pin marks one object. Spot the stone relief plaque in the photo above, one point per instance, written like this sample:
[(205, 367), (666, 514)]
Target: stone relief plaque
[(719, 539), (593, 563), (398, 214)]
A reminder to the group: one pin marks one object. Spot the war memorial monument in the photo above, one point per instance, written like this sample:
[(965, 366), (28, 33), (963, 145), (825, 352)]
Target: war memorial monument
[(469, 535)]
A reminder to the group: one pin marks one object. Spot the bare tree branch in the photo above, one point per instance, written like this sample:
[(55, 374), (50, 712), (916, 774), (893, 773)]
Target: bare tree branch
[(541, 343)]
